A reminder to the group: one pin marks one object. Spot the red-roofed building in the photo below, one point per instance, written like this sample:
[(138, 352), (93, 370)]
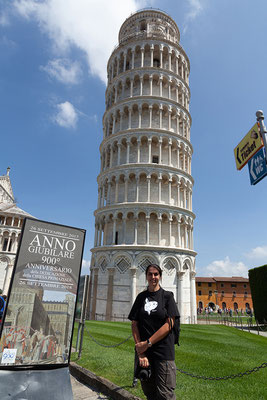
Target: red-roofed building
[(225, 292)]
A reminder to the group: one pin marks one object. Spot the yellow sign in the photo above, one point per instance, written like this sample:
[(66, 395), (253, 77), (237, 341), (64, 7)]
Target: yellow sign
[(248, 146)]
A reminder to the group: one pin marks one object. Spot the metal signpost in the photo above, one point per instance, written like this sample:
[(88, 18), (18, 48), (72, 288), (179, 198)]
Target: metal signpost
[(250, 151), (263, 131)]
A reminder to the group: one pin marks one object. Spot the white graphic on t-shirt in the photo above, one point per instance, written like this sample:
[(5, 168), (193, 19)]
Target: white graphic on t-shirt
[(150, 305)]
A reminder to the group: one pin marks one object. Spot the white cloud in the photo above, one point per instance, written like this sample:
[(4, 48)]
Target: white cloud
[(85, 267), (66, 116), (63, 70), (92, 26), (5, 41), (258, 253), (225, 267), (195, 7)]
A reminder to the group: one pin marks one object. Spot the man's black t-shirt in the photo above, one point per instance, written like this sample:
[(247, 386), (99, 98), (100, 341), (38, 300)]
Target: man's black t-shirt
[(150, 310)]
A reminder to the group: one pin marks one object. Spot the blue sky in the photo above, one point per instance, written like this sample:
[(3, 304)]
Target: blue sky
[(53, 56)]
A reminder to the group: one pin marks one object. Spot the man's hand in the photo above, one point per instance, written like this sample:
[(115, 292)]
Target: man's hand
[(143, 361), (141, 347)]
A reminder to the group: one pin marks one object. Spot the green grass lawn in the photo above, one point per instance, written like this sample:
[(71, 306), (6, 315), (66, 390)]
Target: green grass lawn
[(206, 350)]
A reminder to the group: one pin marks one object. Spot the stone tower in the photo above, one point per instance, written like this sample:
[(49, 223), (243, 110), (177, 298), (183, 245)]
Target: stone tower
[(11, 221), (144, 212)]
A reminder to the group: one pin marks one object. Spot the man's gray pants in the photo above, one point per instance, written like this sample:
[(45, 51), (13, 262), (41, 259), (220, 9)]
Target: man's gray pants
[(161, 384)]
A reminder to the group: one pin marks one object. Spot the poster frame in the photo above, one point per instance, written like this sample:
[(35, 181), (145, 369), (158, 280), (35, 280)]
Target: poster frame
[(41, 366)]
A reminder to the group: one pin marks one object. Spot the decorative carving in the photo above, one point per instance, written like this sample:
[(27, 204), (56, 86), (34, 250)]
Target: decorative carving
[(157, 28), (122, 263), (144, 263), (193, 274), (169, 266), (103, 264)]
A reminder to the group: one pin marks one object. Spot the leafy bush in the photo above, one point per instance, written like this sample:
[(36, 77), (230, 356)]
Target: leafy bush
[(258, 285)]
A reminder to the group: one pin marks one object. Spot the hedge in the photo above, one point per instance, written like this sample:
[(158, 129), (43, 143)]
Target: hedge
[(258, 286)]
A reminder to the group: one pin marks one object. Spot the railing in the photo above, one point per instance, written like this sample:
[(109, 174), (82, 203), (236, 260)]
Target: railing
[(241, 322), (124, 318), (114, 317), (150, 9)]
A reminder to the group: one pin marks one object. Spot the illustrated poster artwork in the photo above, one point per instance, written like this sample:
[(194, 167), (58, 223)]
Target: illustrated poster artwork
[(38, 323)]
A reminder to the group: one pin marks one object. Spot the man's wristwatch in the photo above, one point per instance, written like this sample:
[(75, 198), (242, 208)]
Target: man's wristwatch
[(149, 343)]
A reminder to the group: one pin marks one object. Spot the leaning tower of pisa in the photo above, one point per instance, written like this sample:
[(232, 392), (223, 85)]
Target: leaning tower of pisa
[(144, 212)]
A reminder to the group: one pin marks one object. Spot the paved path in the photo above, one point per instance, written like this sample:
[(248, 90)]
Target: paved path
[(261, 333), (243, 328), (84, 392)]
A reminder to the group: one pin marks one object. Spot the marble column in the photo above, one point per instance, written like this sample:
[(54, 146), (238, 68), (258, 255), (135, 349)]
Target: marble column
[(119, 154), (160, 150), (169, 152), (138, 150), (180, 277), (142, 57), (116, 190), (128, 151), (114, 230), (151, 55), (160, 181), (160, 223), (148, 188), (133, 284), (93, 311), (193, 297), (150, 85), (132, 60), (149, 150), (126, 189), (109, 302), (147, 229), (135, 230)]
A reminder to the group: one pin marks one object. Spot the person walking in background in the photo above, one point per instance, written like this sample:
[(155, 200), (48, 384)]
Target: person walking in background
[(153, 314)]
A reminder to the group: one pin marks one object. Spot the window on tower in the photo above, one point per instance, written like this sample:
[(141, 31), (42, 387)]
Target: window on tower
[(5, 244), (10, 245), (155, 159), (143, 25)]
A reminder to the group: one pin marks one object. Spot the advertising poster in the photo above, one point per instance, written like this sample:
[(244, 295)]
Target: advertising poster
[(38, 322)]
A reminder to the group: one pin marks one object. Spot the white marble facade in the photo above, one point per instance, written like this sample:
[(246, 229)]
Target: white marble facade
[(144, 211), (11, 220)]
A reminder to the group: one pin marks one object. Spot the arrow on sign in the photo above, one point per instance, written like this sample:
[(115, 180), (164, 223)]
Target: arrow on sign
[(251, 169), (237, 155)]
